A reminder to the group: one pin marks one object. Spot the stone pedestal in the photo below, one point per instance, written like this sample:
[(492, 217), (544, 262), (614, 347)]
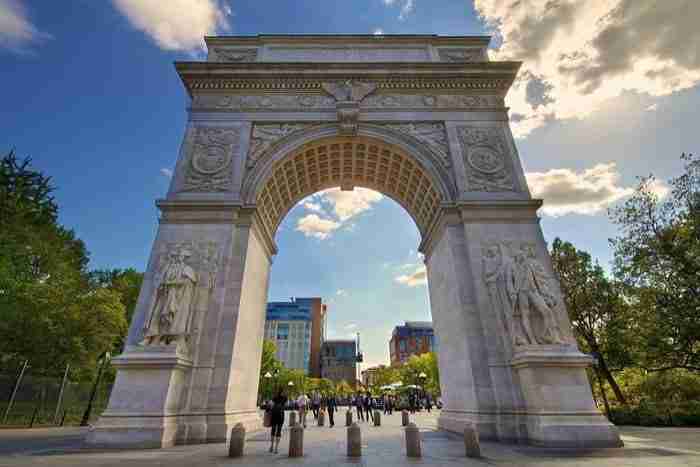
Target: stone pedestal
[(348, 418), (559, 405), (404, 417), (471, 442), (237, 442), (413, 441), (354, 441), (296, 441)]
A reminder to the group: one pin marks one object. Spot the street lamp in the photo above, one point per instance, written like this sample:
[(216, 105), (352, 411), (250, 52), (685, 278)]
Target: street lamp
[(268, 377), (422, 376)]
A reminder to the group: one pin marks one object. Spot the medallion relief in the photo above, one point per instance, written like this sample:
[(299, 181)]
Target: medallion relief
[(522, 293), (182, 282), (486, 159), (208, 167)]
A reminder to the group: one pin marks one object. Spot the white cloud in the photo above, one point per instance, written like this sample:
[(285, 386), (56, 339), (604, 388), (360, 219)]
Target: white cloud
[(336, 208), (17, 33), (578, 54), (347, 204), (652, 107), (312, 225), (567, 192), (350, 327), (177, 24), (378, 32), (406, 9), (341, 292), (418, 277), (166, 172)]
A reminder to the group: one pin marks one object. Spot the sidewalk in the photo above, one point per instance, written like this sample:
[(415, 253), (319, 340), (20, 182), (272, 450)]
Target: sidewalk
[(382, 447)]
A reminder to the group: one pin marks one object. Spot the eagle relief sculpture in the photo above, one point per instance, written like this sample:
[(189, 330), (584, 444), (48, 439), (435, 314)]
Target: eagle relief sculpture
[(175, 287)]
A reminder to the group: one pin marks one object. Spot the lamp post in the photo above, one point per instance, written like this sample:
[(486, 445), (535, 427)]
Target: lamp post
[(422, 377), (268, 377), (291, 387), (104, 358)]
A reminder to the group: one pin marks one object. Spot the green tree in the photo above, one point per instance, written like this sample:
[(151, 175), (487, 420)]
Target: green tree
[(599, 315), (658, 256), (268, 364), (343, 388), (49, 313), (423, 363)]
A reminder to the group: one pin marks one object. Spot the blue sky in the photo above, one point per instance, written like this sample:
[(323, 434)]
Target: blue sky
[(608, 92)]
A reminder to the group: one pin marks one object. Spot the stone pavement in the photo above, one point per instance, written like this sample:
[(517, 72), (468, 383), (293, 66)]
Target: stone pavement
[(382, 447)]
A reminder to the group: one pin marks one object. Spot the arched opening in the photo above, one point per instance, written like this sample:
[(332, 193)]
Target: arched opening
[(347, 162)]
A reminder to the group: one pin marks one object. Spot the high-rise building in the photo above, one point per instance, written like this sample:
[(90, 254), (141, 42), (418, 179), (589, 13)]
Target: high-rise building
[(339, 360), (297, 328), (413, 338)]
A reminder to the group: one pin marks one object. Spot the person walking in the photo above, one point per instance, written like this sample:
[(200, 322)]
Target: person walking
[(277, 421), (315, 403), (359, 406), (367, 402), (302, 406), (331, 407)]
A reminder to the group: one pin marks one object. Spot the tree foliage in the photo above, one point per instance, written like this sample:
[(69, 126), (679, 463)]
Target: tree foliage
[(601, 319), (49, 312), (657, 256)]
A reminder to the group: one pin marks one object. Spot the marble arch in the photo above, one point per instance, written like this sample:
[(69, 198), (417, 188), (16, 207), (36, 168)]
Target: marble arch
[(420, 118)]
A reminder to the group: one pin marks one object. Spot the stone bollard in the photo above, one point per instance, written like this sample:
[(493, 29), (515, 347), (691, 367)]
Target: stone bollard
[(296, 441), (348, 418), (321, 418), (267, 418), (292, 418), (237, 443), (413, 441), (404, 417), (471, 441), (377, 418), (354, 441)]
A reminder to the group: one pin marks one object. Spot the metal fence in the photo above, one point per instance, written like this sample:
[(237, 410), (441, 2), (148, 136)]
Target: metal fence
[(28, 400)]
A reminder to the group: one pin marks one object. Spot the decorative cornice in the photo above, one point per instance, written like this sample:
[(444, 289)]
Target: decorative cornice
[(493, 77), (344, 39)]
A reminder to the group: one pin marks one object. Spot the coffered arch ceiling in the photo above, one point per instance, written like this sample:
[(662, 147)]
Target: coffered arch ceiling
[(348, 162)]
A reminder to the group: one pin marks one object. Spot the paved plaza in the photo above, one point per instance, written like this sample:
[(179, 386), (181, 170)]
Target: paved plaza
[(324, 446)]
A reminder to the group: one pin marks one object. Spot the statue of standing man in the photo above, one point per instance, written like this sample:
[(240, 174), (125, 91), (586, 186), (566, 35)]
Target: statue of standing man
[(174, 297)]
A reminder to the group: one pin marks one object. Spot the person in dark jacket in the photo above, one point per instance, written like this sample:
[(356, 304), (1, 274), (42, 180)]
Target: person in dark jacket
[(367, 402), (359, 406), (331, 407), (277, 420)]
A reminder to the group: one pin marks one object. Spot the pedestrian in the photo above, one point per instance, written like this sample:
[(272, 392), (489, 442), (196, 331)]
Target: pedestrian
[(359, 406), (331, 406), (390, 403), (277, 421), (315, 403), (428, 403), (302, 406), (367, 402)]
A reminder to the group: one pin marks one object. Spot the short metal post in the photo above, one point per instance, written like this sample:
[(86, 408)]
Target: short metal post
[(292, 418), (348, 418), (377, 418), (237, 443), (413, 441), (354, 441), (321, 418), (296, 441), (471, 442), (36, 411), (404, 418)]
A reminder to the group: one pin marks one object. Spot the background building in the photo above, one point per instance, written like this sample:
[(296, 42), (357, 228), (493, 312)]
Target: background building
[(298, 329), (369, 374), (339, 360), (413, 338)]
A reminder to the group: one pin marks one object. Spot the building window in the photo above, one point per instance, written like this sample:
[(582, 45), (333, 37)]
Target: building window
[(402, 345), (283, 331)]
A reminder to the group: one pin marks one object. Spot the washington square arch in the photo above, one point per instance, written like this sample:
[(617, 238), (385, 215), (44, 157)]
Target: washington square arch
[(421, 119)]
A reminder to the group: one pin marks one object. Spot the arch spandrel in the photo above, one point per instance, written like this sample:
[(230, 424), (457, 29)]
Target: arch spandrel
[(347, 162)]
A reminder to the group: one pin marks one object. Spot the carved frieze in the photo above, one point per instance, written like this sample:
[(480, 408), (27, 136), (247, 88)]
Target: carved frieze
[(460, 55), (432, 134), (315, 102), (431, 101), (235, 55), (521, 292), (347, 54), (183, 279), (266, 134), (208, 167), (487, 159)]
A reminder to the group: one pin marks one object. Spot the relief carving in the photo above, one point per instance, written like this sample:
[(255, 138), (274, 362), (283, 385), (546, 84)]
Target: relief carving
[(183, 280), (346, 54), (267, 134), (208, 168), (439, 101), (521, 290), (265, 102), (460, 55), (235, 55), (432, 134), (486, 159), (348, 95)]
